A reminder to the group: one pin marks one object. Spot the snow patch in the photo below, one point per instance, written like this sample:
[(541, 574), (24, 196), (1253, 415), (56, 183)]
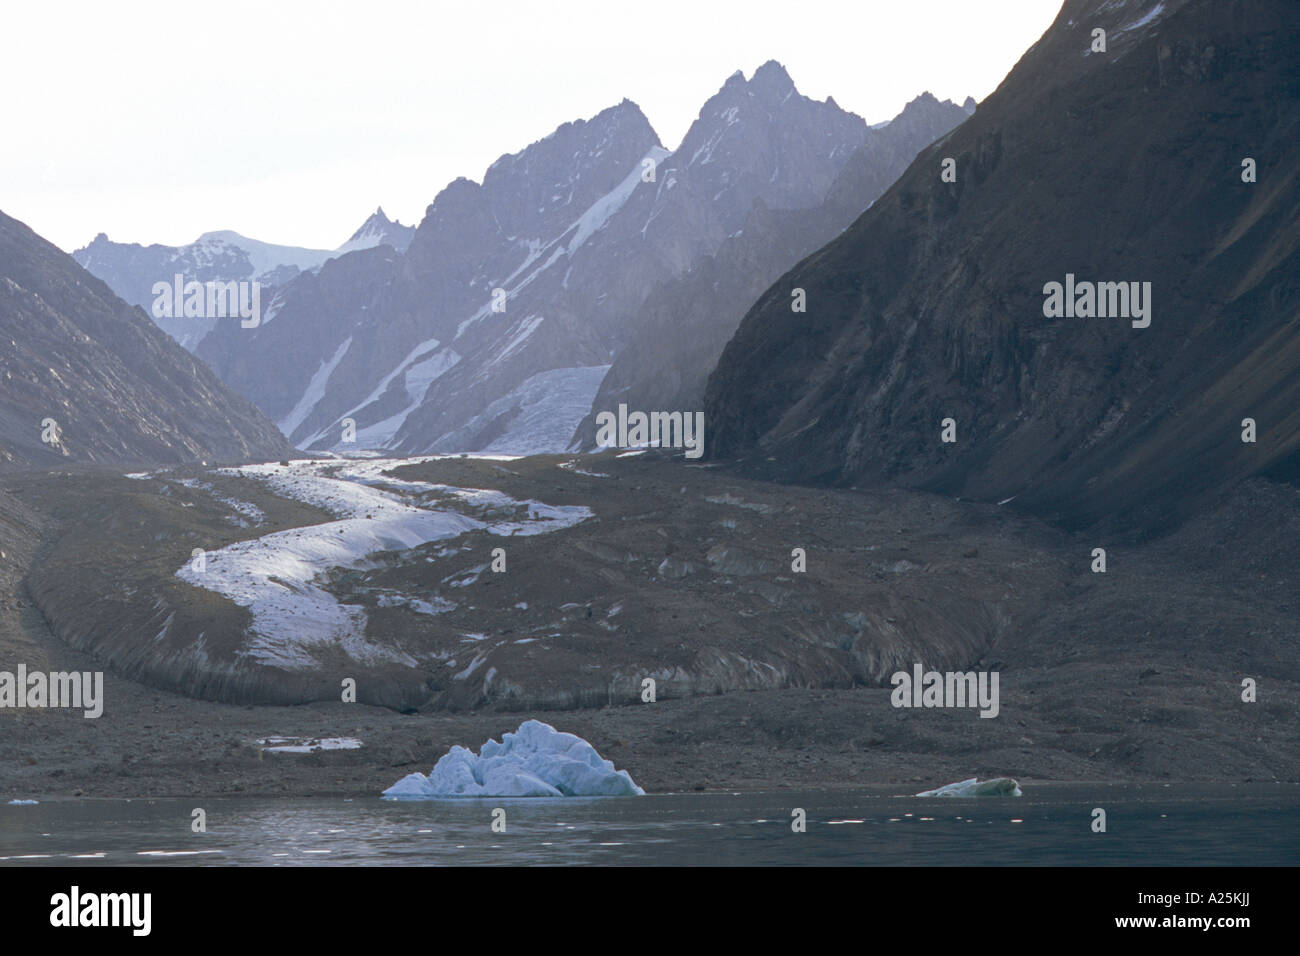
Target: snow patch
[(306, 745), (603, 209), (539, 415), (315, 390)]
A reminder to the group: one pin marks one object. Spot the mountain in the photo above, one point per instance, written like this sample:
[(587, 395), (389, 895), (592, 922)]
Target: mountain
[(575, 231), (118, 390), (131, 269), (685, 323), (1129, 165), (378, 230)]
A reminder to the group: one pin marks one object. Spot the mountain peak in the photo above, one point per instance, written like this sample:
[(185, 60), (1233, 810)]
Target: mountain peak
[(625, 111), (769, 81), (379, 229), (770, 85), (772, 75)]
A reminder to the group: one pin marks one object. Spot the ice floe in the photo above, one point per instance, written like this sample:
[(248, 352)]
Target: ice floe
[(997, 787), (306, 745), (535, 761)]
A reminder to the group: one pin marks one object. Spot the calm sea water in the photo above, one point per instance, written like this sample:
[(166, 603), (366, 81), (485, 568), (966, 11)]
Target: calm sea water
[(1152, 824)]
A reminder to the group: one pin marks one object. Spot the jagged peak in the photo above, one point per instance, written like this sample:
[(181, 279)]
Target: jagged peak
[(622, 114), (772, 75), (928, 100), (624, 108), (458, 187), (770, 79), (376, 224), (771, 84)]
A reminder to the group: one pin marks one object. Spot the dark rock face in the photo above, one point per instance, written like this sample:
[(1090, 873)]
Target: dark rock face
[(119, 390), (1122, 166), (682, 328), (576, 230)]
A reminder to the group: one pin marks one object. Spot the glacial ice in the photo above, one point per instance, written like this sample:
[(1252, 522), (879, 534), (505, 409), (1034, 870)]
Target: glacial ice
[(997, 787), (277, 576), (306, 745), (535, 761)]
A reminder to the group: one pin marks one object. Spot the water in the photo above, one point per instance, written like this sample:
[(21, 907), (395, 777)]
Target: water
[(1151, 824)]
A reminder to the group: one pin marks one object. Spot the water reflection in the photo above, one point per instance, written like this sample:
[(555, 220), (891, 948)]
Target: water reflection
[(1148, 824)]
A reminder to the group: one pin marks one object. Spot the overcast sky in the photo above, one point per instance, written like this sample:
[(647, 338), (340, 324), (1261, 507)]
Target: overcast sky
[(290, 122)]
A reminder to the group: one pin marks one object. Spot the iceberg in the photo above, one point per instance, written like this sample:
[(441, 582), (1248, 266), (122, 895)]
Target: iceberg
[(997, 787), (535, 761)]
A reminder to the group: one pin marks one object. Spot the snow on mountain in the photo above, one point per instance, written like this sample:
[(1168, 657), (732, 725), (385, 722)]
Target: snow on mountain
[(315, 389), (377, 230), (422, 365), (221, 256), (536, 417), (264, 257), (536, 277), (595, 218)]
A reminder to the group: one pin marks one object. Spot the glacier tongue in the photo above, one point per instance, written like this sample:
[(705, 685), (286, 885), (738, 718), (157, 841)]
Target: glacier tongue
[(535, 761)]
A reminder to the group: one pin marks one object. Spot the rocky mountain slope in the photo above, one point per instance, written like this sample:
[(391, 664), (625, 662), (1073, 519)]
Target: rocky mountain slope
[(1127, 165), (86, 378), (685, 323), (131, 269), (495, 328)]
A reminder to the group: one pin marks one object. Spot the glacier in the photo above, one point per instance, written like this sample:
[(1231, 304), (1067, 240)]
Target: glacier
[(997, 787), (277, 576), (535, 761)]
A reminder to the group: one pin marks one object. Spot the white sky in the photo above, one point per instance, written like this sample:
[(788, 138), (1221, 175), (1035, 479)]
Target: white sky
[(290, 121)]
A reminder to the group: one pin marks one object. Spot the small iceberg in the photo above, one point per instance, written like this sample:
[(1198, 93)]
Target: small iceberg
[(535, 761), (997, 787)]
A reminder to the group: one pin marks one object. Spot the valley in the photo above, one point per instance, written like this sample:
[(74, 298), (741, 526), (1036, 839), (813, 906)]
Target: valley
[(311, 547), (766, 677)]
